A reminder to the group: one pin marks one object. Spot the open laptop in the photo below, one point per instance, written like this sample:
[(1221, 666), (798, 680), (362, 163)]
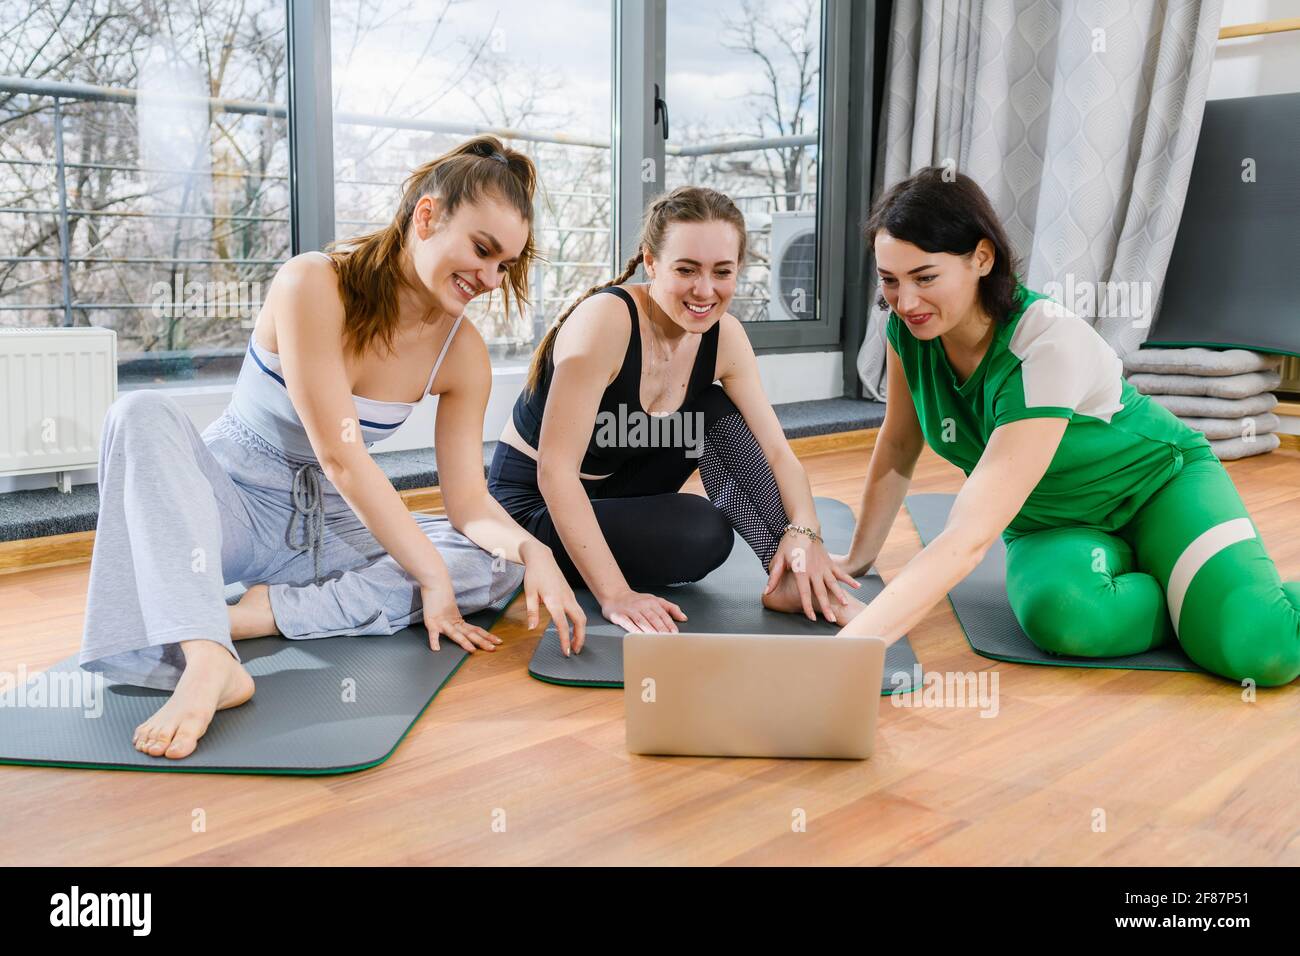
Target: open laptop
[(752, 695)]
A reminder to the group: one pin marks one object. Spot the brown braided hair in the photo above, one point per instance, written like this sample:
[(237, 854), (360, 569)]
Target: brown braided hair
[(683, 204)]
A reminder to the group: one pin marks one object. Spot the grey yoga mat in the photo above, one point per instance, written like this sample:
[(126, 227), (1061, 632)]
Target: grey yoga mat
[(324, 706), (725, 602), (981, 605)]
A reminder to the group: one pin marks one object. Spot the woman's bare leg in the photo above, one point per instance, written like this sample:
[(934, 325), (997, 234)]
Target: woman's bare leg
[(213, 680), (252, 616)]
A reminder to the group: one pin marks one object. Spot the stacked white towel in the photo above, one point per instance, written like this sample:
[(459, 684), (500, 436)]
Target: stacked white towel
[(1227, 395)]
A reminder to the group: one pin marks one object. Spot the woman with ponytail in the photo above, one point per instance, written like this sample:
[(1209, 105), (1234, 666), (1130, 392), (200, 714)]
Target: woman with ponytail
[(281, 490), (620, 409)]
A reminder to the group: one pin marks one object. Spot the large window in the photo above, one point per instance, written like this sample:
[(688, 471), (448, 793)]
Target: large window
[(145, 161), (411, 80), (743, 88), (143, 187)]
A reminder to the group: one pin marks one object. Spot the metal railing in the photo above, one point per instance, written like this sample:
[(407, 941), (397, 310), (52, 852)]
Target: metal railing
[(60, 92)]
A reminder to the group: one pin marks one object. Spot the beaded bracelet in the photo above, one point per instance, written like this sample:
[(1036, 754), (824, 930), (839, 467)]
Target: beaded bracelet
[(799, 529)]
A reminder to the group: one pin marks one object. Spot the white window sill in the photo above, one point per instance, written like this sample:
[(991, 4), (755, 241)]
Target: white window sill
[(787, 377)]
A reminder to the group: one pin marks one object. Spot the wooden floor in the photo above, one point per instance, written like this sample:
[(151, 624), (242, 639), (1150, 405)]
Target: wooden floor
[(1079, 766)]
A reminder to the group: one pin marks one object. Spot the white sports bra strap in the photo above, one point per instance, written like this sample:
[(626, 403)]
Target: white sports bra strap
[(443, 354), (445, 345)]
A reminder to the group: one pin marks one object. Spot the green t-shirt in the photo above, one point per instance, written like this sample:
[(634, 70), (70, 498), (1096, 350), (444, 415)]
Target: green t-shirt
[(1046, 362)]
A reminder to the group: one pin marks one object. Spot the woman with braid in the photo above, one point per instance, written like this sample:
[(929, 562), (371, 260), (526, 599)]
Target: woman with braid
[(620, 408)]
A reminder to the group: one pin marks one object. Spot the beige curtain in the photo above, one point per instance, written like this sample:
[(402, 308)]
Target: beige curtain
[(1080, 121)]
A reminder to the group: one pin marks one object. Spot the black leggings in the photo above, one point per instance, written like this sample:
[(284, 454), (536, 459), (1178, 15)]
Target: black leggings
[(658, 535)]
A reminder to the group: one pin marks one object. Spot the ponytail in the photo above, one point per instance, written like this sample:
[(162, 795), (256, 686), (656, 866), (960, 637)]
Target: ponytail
[(369, 266)]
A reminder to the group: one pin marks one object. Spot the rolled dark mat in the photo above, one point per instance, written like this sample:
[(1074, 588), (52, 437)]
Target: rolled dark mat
[(981, 605), (725, 602)]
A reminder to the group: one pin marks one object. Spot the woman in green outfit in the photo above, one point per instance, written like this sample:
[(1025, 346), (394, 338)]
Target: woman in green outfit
[(1122, 528)]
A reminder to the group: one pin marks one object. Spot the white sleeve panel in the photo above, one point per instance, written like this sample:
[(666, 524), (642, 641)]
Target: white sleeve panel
[(1066, 363)]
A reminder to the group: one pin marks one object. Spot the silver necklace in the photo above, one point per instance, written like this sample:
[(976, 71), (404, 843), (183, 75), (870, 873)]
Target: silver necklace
[(659, 342)]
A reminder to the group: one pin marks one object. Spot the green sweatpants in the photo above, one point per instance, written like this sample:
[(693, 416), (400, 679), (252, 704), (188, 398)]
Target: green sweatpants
[(1189, 565)]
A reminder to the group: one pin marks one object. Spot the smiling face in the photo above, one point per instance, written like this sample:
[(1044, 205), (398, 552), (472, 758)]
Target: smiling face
[(460, 257), (932, 292), (694, 276)]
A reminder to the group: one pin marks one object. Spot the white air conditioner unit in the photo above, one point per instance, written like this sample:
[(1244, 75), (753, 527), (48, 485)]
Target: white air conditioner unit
[(55, 386), (793, 276)]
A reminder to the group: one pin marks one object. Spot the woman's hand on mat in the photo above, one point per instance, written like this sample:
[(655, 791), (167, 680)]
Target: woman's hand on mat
[(442, 617), (544, 580), (642, 613), (816, 575)]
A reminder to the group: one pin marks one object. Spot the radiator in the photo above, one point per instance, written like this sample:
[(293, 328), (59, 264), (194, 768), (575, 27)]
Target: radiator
[(55, 386)]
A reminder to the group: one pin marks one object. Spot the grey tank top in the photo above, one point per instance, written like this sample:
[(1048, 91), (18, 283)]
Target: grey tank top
[(261, 402)]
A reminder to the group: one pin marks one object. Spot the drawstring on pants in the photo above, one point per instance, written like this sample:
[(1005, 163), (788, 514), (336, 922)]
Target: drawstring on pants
[(307, 506)]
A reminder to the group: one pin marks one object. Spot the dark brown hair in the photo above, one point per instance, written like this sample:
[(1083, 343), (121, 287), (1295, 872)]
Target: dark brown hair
[(370, 266), (683, 204), (950, 215)]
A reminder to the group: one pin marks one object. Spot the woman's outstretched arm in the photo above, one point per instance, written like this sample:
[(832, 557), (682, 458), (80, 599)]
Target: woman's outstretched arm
[(466, 377), (1015, 459), (889, 472), (589, 349), (471, 509)]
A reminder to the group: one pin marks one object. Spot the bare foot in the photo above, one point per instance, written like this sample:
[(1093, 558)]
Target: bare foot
[(213, 680), (252, 616), (786, 598)]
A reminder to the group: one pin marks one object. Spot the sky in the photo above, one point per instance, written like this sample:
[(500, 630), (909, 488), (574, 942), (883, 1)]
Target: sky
[(557, 40)]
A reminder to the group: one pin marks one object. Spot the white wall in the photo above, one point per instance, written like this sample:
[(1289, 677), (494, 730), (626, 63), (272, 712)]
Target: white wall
[(789, 377), (1261, 65)]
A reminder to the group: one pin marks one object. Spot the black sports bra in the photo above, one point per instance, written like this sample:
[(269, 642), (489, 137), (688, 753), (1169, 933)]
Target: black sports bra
[(605, 458)]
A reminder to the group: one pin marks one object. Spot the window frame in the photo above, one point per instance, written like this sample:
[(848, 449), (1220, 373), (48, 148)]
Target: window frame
[(638, 38), (640, 47), (311, 126)]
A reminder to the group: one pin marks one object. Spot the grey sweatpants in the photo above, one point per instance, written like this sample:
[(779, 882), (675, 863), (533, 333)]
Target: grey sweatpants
[(182, 515)]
